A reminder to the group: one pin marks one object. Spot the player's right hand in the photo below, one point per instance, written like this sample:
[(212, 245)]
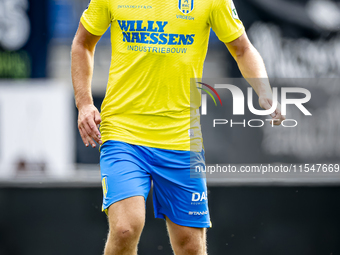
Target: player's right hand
[(88, 123)]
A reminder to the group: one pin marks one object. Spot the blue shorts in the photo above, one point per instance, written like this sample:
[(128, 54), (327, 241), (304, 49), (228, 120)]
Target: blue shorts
[(127, 170)]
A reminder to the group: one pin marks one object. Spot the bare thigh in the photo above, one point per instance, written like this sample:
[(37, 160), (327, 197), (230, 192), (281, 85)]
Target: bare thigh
[(187, 240), (126, 222)]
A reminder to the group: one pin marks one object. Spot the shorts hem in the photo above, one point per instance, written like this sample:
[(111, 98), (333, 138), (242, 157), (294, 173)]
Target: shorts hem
[(184, 223), (122, 197)]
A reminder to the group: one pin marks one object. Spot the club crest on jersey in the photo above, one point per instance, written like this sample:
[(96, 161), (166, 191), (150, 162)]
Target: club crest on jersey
[(185, 6)]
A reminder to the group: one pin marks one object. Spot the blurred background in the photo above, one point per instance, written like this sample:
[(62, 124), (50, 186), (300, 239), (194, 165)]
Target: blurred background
[(50, 193)]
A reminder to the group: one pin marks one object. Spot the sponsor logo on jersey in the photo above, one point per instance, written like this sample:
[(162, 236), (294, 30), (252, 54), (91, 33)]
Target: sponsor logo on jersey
[(152, 32), (185, 17), (124, 6), (185, 6)]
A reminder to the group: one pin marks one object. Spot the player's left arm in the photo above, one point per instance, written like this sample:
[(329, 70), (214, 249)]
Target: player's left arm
[(253, 70)]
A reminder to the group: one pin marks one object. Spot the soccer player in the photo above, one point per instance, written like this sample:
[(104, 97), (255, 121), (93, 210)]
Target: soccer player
[(148, 129)]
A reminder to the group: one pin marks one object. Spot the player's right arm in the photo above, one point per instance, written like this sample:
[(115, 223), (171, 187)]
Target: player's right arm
[(83, 48), (93, 24)]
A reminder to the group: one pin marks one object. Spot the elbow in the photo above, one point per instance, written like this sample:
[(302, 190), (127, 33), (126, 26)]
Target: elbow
[(76, 45), (241, 52), (80, 43), (80, 46)]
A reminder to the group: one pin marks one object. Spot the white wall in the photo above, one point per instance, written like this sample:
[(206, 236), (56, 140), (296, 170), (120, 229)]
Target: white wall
[(36, 127)]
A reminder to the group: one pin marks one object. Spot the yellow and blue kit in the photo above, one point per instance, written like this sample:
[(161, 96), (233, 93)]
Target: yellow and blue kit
[(157, 47)]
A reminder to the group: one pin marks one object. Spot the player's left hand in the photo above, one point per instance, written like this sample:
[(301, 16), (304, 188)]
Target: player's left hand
[(266, 103)]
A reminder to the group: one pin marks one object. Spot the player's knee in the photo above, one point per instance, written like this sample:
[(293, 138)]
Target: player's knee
[(127, 233), (191, 246), (123, 235)]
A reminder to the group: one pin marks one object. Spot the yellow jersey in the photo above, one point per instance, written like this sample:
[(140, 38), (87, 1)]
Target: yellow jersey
[(157, 47)]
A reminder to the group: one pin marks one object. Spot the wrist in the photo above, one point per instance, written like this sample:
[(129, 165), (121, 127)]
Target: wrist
[(81, 105), (266, 94)]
